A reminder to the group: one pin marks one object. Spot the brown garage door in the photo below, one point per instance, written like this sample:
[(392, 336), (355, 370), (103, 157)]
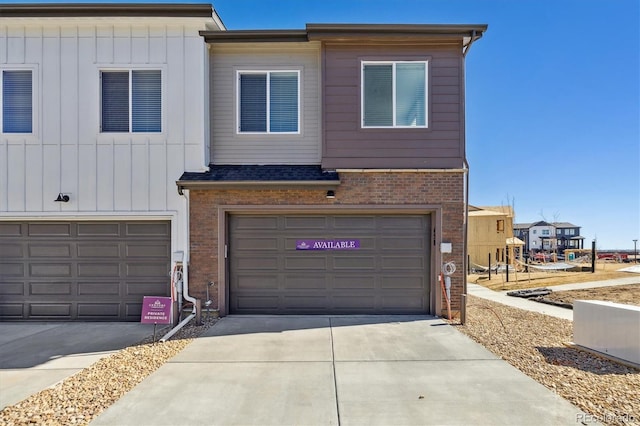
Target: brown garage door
[(383, 269), (82, 270)]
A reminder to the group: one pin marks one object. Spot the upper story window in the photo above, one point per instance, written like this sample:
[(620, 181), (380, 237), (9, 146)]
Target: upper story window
[(131, 101), (394, 94), (17, 101), (268, 101), (545, 232), (500, 225)]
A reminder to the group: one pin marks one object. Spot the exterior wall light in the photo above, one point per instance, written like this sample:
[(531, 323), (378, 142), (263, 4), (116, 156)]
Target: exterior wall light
[(62, 198), (331, 194)]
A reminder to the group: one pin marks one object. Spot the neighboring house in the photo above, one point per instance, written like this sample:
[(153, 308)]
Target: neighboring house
[(490, 228), (337, 170), (555, 236), (103, 108)]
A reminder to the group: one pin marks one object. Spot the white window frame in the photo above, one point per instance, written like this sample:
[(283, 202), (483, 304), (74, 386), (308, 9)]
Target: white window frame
[(163, 103), (35, 106), (393, 96), (268, 73)]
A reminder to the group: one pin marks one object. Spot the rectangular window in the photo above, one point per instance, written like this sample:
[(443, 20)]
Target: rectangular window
[(268, 101), (17, 101), (131, 101), (545, 232), (394, 94), (500, 225)]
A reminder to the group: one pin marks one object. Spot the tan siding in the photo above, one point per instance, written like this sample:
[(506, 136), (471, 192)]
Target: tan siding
[(346, 144), (228, 147)]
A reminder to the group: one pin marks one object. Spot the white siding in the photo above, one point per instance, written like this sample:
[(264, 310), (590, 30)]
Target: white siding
[(67, 153), (104, 174), (229, 147)]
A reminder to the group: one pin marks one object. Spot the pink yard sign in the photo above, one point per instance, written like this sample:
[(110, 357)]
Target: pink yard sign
[(156, 310)]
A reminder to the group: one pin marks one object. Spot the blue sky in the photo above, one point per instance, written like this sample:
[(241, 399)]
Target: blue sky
[(553, 99)]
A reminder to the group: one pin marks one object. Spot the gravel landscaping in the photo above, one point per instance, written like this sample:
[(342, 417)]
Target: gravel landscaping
[(536, 344)]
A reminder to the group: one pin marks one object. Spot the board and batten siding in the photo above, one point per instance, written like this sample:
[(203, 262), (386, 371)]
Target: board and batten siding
[(102, 172), (230, 147), (347, 145)]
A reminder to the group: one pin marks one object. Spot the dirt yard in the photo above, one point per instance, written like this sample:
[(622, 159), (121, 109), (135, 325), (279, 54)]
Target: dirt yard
[(521, 280), (628, 294)]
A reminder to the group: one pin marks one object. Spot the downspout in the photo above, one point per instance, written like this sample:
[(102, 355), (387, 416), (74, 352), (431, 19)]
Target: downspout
[(185, 275)]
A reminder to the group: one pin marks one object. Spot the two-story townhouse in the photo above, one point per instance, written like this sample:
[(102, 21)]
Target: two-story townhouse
[(337, 170), (489, 235), (542, 235), (568, 236), (103, 108)]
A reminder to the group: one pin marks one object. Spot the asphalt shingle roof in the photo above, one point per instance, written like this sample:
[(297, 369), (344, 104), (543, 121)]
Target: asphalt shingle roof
[(268, 173)]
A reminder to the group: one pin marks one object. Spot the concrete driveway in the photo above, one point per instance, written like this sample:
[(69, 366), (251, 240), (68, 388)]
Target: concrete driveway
[(37, 355), (369, 370)]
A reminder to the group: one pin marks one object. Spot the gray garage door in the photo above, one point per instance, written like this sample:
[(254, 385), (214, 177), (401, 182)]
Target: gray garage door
[(369, 264), (82, 270)]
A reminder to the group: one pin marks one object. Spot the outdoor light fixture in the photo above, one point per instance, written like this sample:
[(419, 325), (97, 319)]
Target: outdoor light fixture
[(331, 194), (62, 198)]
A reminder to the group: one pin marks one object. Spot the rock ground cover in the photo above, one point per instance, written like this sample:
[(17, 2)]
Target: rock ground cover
[(536, 344)]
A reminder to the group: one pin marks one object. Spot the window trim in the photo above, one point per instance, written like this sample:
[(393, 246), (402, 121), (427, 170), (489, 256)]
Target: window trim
[(35, 105), (393, 96), (163, 103), (268, 72)]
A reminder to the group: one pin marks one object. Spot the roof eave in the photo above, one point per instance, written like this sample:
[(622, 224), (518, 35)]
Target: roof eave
[(68, 10), (257, 184)]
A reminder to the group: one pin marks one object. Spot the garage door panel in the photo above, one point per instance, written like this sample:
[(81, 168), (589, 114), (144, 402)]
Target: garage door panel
[(102, 250), (251, 262), (102, 310), (306, 282), (253, 282), (147, 250), (145, 288), (12, 270), (402, 243), (302, 262), (50, 310), (11, 288), (10, 230), (348, 303), (351, 223), (11, 310), (256, 223), (147, 229), (256, 302), (50, 288), (305, 302), (94, 270), (402, 282), (49, 229), (11, 250), (146, 269), (387, 273), (394, 302), (403, 223), (99, 229), (266, 244), (305, 222), (98, 288), (351, 262), (50, 269), (99, 270), (354, 282), (49, 250), (403, 263)]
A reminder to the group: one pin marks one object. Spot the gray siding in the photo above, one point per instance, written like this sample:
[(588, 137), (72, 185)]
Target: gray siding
[(228, 147), (347, 145)]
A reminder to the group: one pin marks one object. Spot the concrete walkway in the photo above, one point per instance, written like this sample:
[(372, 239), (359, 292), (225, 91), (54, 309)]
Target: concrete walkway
[(530, 305), (352, 370)]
